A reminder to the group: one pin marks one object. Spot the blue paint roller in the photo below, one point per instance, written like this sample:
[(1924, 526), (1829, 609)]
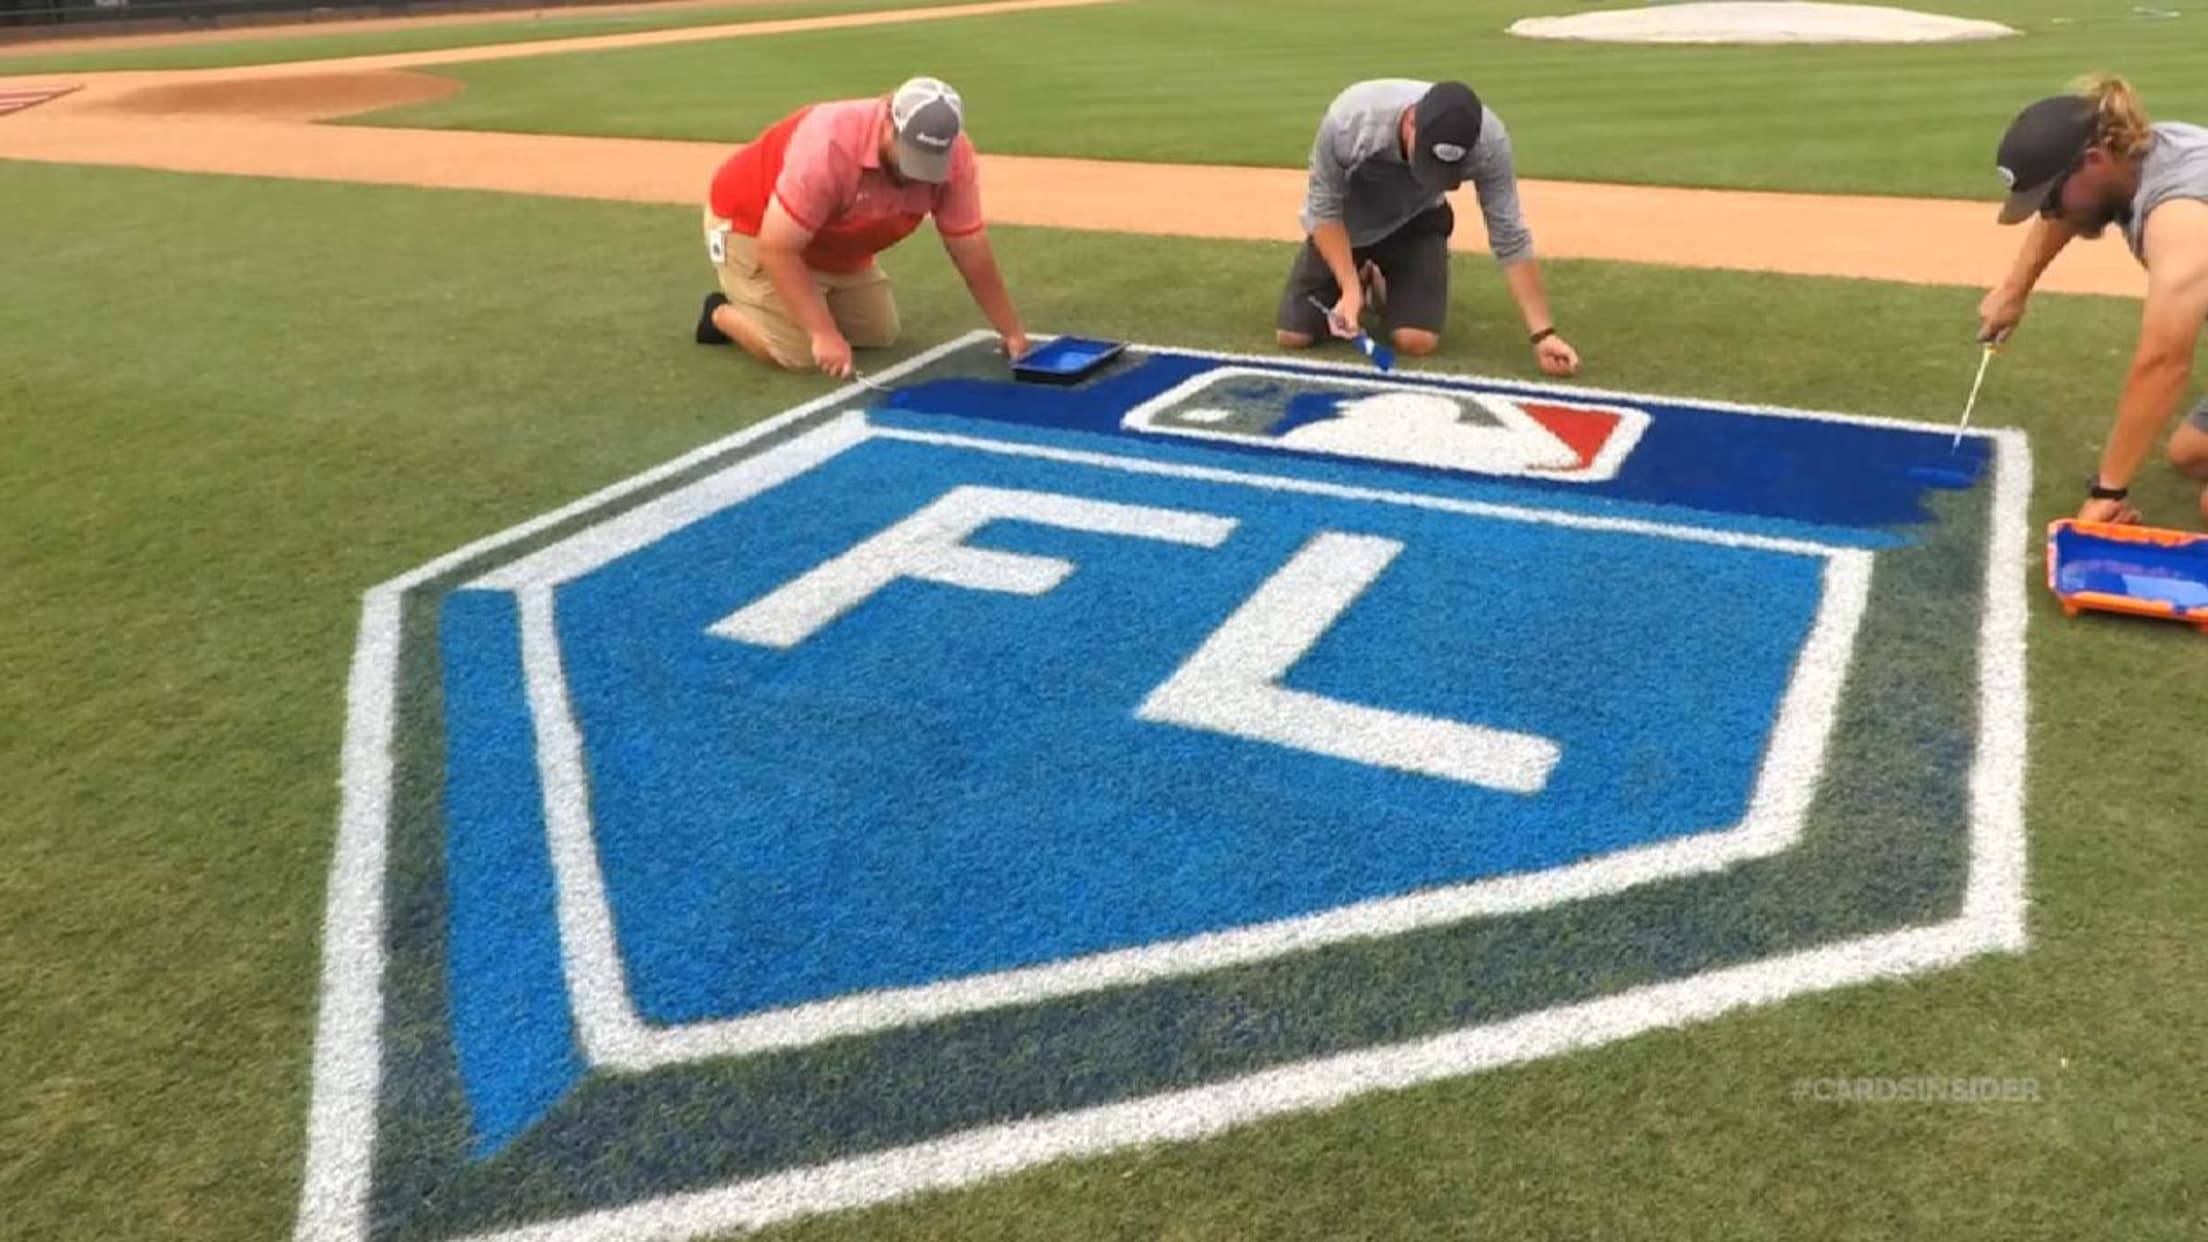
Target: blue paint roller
[(1382, 357)]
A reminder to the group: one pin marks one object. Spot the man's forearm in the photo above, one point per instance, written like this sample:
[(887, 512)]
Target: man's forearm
[(2151, 393), (1524, 279), (2045, 240), (1331, 240), (976, 262), (794, 281)]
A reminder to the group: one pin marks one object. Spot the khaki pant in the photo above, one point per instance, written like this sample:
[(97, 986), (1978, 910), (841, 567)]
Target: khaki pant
[(861, 302)]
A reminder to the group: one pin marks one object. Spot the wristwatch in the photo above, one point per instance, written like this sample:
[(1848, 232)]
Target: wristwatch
[(2098, 492), (1542, 335)]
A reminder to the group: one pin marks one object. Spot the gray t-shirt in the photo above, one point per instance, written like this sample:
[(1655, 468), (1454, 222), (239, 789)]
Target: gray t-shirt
[(1360, 177), (2176, 167)]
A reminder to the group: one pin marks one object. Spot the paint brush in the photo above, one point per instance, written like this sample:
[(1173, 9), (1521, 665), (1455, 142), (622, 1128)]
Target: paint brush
[(1382, 357), (1992, 348)]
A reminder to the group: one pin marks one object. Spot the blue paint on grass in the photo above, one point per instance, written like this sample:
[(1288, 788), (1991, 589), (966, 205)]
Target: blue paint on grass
[(1820, 472), (1304, 409), (510, 1016), (944, 782), (1380, 476)]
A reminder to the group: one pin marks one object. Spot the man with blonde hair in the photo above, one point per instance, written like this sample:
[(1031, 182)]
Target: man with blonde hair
[(794, 219), (2075, 164)]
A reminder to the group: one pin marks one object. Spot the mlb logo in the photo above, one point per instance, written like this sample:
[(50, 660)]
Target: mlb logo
[(922, 786), (1412, 424)]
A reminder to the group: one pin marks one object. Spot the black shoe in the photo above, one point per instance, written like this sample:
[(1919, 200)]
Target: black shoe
[(707, 333)]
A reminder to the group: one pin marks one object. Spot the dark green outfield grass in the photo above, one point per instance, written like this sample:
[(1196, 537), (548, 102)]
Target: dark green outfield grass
[(335, 40), (1245, 81)]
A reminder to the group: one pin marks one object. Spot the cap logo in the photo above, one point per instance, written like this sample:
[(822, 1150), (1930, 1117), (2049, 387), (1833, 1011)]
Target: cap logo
[(929, 140), (1448, 152), (2008, 177)]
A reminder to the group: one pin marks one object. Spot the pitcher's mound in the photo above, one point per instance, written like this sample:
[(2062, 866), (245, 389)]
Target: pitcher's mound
[(1760, 21)]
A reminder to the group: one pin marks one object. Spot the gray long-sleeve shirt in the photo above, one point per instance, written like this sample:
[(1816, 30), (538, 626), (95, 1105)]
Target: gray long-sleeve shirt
[(1360, 177)]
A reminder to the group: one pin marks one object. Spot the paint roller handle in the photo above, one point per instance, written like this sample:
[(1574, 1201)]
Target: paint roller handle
[(1334, 321)]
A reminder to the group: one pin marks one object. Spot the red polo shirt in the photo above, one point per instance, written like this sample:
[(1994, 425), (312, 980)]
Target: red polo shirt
[(823, 163)]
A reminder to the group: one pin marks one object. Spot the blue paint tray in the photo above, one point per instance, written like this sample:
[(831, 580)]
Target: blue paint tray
[(1066, 360), (2129, 569)]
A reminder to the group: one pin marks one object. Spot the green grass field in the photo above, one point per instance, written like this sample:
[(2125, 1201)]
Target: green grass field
[(1244, 82), (336, 41), (195, 497)]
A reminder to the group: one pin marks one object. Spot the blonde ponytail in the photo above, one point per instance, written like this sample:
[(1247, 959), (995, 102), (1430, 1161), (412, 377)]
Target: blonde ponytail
[(2120, 124)]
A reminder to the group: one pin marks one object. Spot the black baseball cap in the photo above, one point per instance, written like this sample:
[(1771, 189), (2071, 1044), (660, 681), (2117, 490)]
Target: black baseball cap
[(2042, 146), (1447, 124)]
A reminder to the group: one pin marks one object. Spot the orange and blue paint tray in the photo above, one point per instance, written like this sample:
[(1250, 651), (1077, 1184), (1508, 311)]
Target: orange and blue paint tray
[(2136, 570)]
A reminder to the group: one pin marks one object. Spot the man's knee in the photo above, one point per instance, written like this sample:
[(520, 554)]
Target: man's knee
[(789, 349), (866, 314), (875, 332), (1293, 340), (1416, 342), (785, 346), (767, 337), (2189, 451)]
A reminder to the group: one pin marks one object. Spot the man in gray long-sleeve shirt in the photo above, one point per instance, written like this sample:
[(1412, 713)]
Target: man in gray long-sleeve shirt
[(1379, 220)]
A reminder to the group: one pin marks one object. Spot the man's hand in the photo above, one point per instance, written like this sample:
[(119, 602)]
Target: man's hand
[(1556, 356), (832, 354), (1342, 320), (1999, 314), (2114, 511), (1015, 345), (1331, 240)]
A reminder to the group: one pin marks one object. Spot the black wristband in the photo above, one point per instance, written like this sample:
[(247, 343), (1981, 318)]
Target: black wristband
[(2097, 492), (1542, 335)]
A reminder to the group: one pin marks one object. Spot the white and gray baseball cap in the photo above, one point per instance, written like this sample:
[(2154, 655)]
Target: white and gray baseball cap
[(928, 115)]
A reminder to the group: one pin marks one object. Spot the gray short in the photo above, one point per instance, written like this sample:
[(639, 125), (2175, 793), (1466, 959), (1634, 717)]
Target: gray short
[(1414, 260), (2199, 417)]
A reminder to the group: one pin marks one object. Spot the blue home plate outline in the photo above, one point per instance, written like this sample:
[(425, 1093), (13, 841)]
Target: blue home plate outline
[(347, 1060)]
